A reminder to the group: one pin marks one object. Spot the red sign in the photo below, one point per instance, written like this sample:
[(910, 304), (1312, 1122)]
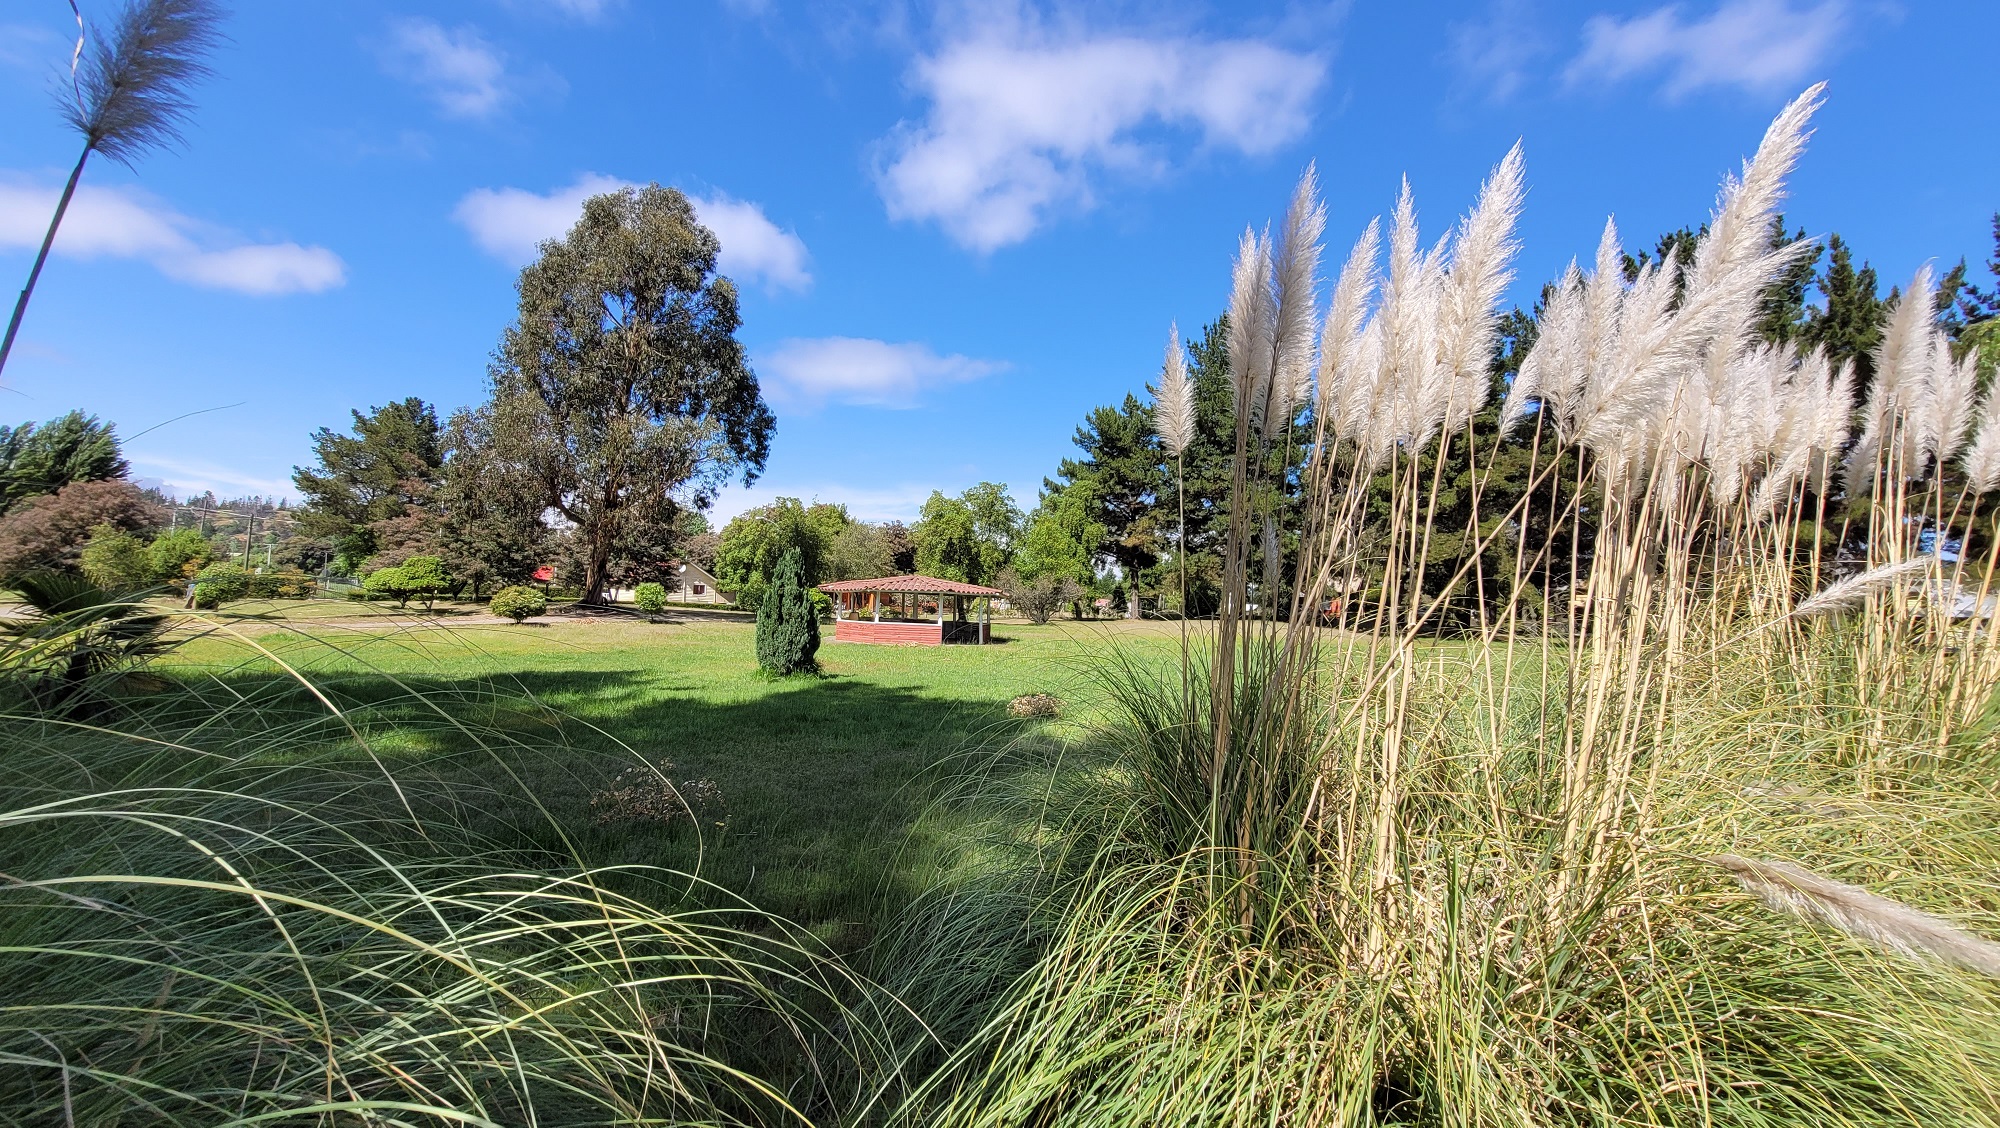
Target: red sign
[(544, 574)]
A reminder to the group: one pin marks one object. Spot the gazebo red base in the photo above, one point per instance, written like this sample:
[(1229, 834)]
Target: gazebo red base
[(909, 634), (888, 634)]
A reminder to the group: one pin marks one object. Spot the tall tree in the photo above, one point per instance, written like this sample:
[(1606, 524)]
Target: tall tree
[(947, 540), (860, 551), (1847, 323), (621, 388), (902, 547), (1979, 315), (388, 467), (1977, 304), (128, 94), (490, 529), (996, 524), (747, 556), (42, 460), (1126, 472), (1063, 537)]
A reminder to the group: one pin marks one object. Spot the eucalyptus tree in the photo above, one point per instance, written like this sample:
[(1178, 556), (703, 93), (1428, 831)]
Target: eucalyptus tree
[(128, 94), (621, 390)]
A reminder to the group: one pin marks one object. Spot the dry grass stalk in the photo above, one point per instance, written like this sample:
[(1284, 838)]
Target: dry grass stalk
[(1798, 891)]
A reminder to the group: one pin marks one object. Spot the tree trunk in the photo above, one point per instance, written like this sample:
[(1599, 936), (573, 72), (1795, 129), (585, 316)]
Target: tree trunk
[(1131, 603), (595, 566), (48, 240)]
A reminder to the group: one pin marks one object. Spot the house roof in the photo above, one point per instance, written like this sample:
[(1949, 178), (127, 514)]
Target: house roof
[(918, 585)]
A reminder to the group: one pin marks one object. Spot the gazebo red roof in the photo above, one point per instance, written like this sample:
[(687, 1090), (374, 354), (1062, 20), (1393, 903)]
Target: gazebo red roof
[(916, 585)]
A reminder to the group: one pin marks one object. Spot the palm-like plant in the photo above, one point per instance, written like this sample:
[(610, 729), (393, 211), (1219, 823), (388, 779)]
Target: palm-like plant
[(71, 636), (129, 95)]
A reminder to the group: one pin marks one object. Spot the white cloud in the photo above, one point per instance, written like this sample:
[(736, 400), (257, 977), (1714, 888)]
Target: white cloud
[(1018, 127), (464, 74), (859, 370), (1758, 45), (509, 223), (753, 246), (126, 223), (269, 268)]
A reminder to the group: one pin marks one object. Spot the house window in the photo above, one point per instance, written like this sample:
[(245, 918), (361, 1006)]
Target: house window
[(699, 589)]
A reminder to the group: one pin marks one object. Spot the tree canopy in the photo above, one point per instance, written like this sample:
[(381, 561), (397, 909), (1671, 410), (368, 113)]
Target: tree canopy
[(621, 390), (967, 538), (382, 472), (747, 556), (38, 460)]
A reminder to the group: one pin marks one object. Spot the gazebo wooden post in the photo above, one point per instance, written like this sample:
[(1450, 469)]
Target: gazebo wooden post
[(875, 604)]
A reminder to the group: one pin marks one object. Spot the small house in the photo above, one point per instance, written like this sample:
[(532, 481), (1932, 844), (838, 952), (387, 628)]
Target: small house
[(694, 584)]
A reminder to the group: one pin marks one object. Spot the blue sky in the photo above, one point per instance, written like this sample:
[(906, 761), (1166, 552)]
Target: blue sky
[(956, 227)]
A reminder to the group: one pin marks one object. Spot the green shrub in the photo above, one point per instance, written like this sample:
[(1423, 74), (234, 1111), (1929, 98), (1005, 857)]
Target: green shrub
[(285, 583), (426, 576), (177, 555), (207, 596), (116, 559), (649, 597), (787, 628), (419, 576), (389, 583), (227, 582), (822, 605), (518, 603)]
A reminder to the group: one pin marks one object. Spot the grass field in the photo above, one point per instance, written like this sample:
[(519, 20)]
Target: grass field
[(824, 782)]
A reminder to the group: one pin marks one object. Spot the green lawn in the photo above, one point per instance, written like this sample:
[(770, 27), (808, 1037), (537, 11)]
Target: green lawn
[(823, 780)]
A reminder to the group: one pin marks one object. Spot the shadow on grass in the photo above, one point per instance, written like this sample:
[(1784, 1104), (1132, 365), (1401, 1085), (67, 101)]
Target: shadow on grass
[(822, 780)]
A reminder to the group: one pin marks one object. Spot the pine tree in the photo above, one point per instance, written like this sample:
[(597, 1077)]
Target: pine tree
[(787, 627), (1127, 475), (1849, 325)]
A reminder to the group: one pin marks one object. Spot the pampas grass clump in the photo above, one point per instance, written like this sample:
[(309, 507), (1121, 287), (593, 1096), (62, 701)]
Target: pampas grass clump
[(1375, 876)]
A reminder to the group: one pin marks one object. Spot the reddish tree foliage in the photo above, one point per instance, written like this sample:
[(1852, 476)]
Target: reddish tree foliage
[(50, 531)]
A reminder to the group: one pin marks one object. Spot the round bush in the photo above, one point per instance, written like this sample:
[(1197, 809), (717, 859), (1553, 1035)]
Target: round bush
[(207, 596), (650, 597), (518, 603), (224, 581)]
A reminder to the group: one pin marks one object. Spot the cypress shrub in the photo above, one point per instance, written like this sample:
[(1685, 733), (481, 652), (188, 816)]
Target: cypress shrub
[(787, 628)]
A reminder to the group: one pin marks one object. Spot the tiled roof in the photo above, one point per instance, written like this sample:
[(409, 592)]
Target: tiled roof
[(919, 585)]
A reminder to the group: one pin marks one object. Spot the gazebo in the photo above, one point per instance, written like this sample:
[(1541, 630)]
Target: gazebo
[(909, 611)]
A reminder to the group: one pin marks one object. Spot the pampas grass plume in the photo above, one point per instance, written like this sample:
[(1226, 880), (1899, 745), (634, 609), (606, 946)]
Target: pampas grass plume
[(1173, 407), (1854, 590), (1982, 458), (1797, 891)]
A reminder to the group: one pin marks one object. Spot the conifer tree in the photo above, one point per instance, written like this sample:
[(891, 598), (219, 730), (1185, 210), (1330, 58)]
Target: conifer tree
[(787, 627)]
